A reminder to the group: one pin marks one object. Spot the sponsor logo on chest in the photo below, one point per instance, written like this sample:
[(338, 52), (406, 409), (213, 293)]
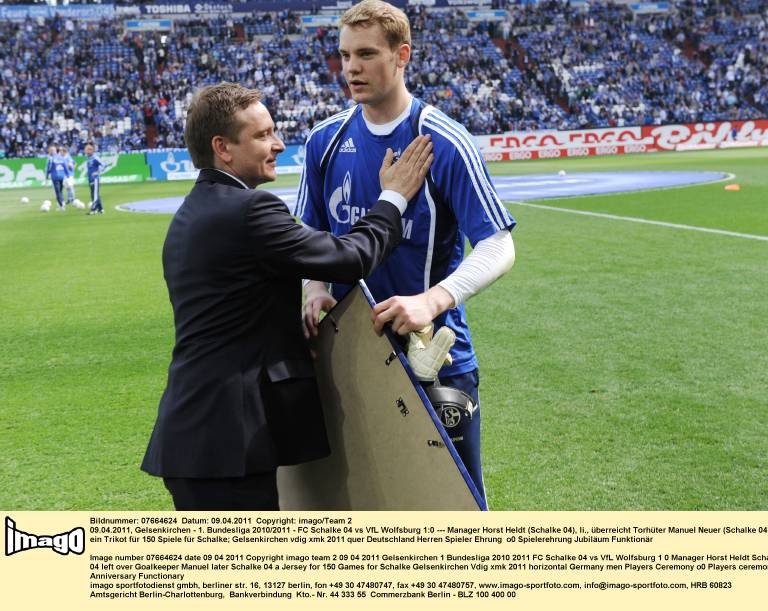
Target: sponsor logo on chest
[(346, 213)]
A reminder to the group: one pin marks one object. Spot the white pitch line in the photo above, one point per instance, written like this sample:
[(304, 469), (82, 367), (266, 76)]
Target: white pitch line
[(633, 219)]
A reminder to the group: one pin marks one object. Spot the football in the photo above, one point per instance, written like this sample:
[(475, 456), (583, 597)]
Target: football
[(46, 206), (25, 200)]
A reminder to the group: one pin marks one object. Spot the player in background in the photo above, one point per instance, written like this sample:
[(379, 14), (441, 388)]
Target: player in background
[(58, 171), (94, 166), (426, 278), (49, 159), (69, 182)]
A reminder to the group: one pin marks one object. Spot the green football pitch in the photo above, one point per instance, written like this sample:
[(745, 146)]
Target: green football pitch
[(624, 365)]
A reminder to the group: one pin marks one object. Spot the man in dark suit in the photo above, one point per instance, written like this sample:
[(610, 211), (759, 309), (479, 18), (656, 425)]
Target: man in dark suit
[(241, 396)]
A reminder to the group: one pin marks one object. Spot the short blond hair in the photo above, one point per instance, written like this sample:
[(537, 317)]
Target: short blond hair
[(393, 21)]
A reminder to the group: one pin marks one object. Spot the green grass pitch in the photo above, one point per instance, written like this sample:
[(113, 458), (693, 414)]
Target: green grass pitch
[(623, 365)]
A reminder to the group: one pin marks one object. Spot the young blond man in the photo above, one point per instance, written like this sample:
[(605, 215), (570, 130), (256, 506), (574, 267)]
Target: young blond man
[(427, 279)]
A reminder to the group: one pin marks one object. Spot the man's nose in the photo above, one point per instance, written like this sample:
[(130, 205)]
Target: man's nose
[(352, 66)]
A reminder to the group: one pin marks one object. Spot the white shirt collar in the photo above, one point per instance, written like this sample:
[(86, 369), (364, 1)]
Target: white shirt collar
[(384, 129), (232, 176)]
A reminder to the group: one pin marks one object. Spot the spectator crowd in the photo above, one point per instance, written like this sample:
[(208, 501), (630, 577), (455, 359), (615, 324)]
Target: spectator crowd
[(551, 65)]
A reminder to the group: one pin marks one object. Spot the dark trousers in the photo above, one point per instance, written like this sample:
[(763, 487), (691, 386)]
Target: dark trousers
[(58, 186), (95, 196), (466, 433), (257, 491)]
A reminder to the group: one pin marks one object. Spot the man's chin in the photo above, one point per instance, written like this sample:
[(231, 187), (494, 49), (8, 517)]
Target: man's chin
[(270, 176), (360, 97)]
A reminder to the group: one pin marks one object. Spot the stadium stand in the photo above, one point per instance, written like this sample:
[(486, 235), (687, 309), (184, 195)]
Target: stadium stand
[(552, 64)]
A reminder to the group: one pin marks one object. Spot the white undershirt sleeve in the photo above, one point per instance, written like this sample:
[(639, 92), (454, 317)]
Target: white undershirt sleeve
[(490, 259)]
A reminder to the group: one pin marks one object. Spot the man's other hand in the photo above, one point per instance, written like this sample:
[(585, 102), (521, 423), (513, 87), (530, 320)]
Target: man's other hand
[(413, 312), (318, 299)]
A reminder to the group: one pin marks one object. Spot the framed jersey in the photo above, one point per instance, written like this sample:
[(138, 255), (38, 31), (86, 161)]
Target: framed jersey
[(388, 450)]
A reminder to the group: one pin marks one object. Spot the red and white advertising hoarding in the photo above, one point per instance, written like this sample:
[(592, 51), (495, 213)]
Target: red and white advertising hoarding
[(552, 144)]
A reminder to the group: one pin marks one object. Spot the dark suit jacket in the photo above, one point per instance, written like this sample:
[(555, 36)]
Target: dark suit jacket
[(241, 394)]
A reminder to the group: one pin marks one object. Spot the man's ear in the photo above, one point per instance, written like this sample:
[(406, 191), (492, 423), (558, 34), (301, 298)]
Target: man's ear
[(403, 54), (220, 147)]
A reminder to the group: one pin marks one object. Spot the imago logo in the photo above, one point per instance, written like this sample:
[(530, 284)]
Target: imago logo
[(19, 541)]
